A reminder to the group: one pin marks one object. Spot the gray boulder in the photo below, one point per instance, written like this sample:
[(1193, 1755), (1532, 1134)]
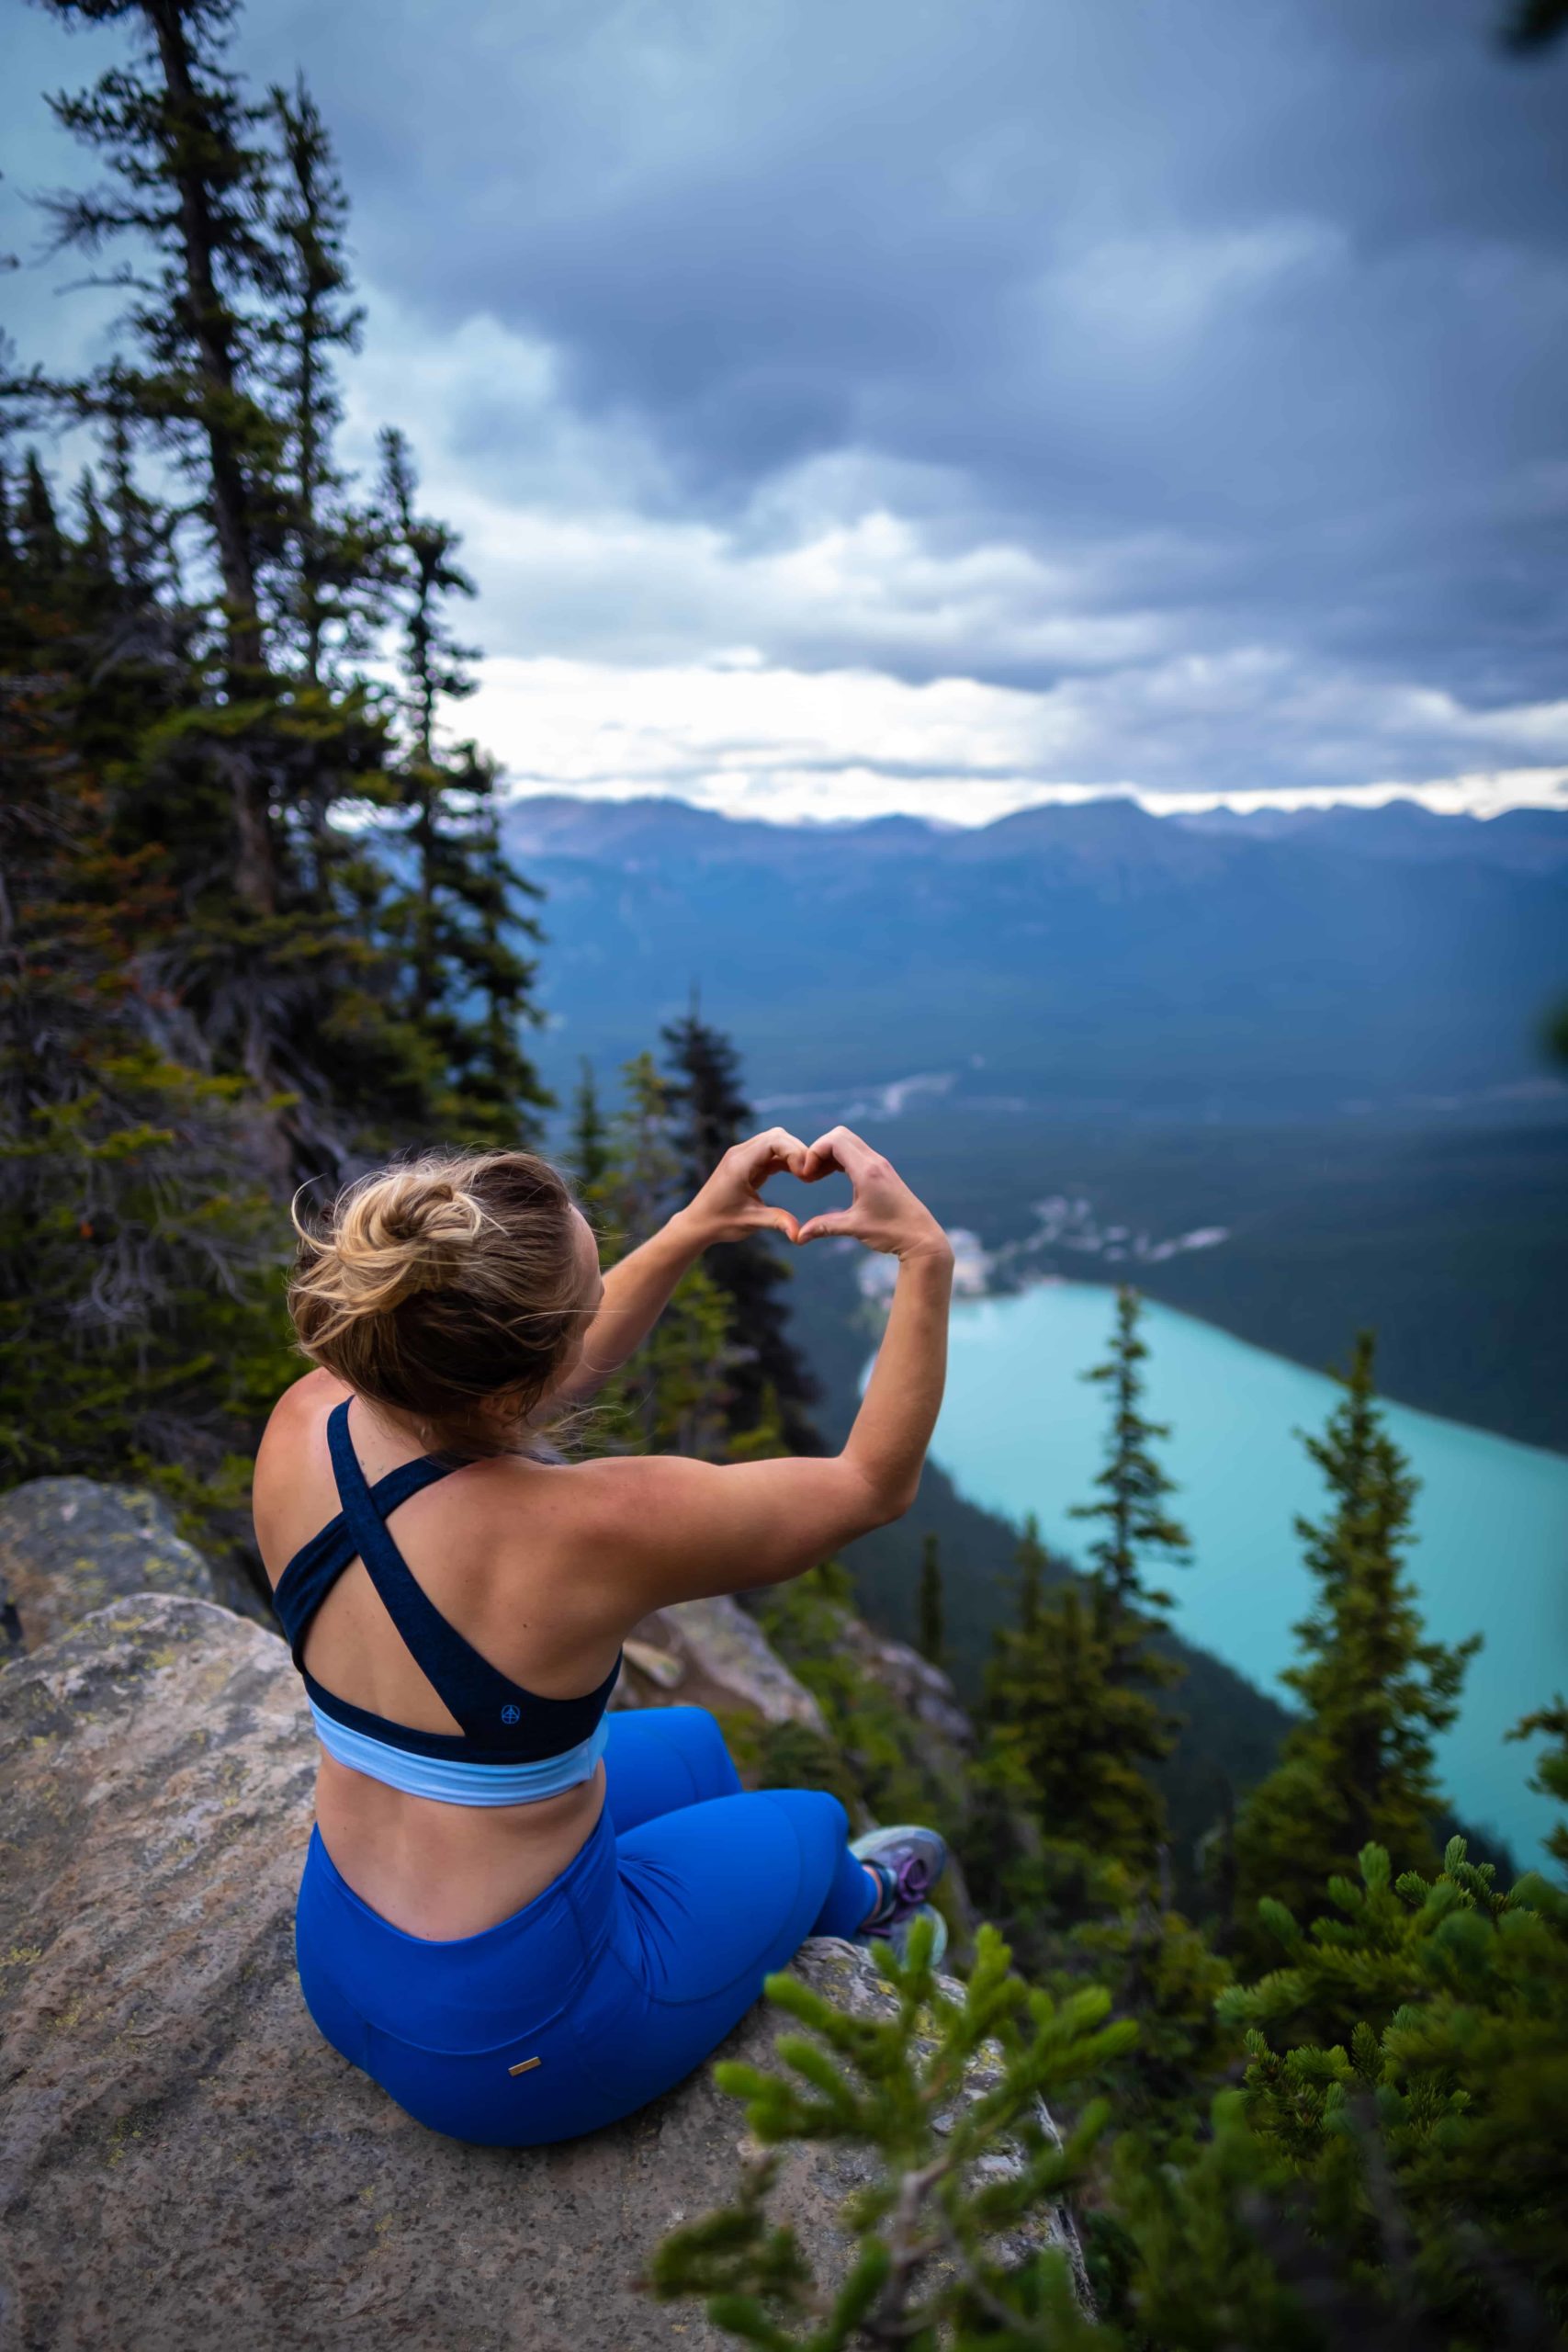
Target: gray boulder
[(922, 1691), (182, 2162), (711, 1654), (70, 1545)]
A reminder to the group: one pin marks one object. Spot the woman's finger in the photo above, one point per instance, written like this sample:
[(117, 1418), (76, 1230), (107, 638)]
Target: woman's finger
[(775, 1149), (839, 1148), (817, 1228), (820, 1159)]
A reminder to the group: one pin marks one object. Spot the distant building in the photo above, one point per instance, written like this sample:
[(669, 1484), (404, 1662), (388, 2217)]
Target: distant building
[(971, 1265), (876, 1275)]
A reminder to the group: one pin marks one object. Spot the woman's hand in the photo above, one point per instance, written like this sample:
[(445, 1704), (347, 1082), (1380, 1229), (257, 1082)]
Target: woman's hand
[(729, 1207), (883, 1214)]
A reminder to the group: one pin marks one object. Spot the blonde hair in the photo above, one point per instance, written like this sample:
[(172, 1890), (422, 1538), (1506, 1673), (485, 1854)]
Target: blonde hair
[(441, 1284)]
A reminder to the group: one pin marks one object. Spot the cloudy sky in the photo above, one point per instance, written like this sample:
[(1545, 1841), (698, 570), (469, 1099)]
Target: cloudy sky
[(944, 404)]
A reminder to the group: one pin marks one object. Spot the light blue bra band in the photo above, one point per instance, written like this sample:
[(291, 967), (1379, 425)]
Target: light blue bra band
[(450, 1782)]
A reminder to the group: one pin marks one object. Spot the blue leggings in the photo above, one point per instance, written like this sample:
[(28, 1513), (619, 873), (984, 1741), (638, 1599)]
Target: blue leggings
[(614, 1983)]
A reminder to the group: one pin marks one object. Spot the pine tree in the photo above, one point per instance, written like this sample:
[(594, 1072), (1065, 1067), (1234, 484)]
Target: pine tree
[(36, 529), (587, 1151), (1073, 1720), (191, 178), (613, 1421), (765, 1439), (676, 1393), (1374, 1690), (472, 987), (1065, 1848), (1135, 1486), (1409, 2067), (1070, 1733), (335, 583), (1550, 1776), (712, 1112), (1031, 1561), (930, 1640), (645, 1178)]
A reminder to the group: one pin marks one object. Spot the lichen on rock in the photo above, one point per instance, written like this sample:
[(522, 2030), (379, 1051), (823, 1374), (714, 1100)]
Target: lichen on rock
[(70, 1545)]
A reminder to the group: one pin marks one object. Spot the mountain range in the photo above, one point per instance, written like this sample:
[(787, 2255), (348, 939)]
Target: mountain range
[(1095, 957)]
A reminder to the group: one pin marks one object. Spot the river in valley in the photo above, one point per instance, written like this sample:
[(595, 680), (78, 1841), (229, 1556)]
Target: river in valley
[(1021, 1430)]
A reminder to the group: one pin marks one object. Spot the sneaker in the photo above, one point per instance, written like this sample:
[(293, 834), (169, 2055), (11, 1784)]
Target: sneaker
[(911, 1858), (897, 1935)]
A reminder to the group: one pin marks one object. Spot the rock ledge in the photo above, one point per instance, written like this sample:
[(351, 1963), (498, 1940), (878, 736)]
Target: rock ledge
[(182, 2162)]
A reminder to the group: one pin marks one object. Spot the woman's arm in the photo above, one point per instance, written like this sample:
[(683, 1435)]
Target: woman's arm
[(638, 1287), (674, 1529)]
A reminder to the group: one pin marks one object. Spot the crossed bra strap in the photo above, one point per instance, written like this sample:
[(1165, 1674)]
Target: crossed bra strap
[(498, 1716)]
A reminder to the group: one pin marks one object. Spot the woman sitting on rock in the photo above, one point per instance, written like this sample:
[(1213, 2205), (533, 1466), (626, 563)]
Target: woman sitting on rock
[(522, 1916)]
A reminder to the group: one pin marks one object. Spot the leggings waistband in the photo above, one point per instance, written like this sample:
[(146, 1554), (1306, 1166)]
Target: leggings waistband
[(527, 1967)]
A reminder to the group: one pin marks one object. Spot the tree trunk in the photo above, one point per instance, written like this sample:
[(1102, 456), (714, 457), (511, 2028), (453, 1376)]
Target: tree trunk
[(254, 871)]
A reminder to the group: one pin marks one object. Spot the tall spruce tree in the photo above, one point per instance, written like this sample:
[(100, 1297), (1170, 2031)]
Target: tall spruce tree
[(190, 181), (1374, 1689), (677, 1390), (587, 1151), (1549, 1778), (931, 1638), (472, 985), (335, 587), (1074, 1721), (770, 1380), (1133, 1485), (1030, 1558), (1070, 1733)]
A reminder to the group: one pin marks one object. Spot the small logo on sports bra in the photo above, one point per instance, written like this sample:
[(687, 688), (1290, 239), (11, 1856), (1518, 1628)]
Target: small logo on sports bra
[(509, 1714)]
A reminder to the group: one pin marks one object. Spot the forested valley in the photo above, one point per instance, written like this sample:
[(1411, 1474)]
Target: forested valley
[(258, 931)]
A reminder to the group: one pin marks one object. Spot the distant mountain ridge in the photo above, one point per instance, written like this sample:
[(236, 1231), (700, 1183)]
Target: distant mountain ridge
[(560, 824), (1522, 840), (1093, 955)]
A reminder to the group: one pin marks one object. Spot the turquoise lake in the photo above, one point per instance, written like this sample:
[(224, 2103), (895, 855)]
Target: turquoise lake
[(1020, 1432)]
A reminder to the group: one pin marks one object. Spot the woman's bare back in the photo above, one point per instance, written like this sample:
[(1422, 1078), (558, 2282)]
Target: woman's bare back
[(495, 1547)]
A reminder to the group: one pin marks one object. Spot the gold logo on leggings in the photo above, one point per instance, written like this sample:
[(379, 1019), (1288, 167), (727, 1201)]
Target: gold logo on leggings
[(523, 2067)]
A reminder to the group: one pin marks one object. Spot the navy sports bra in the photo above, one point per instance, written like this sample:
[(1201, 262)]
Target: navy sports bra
[(514, 1745)]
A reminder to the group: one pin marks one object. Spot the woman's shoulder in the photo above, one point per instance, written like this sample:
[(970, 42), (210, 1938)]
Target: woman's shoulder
[(275, 1479), (604, 1492), (315, 1392), (629, 1497)]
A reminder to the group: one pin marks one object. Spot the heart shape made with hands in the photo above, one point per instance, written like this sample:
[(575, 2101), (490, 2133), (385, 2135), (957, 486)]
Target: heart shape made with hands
[(780, 1153)]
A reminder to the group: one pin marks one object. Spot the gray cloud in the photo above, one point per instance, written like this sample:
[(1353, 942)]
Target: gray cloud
[(1199, 372)]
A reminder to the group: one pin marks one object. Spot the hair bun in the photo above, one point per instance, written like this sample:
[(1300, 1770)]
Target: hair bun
[(442, 1288), (398, 1232)]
